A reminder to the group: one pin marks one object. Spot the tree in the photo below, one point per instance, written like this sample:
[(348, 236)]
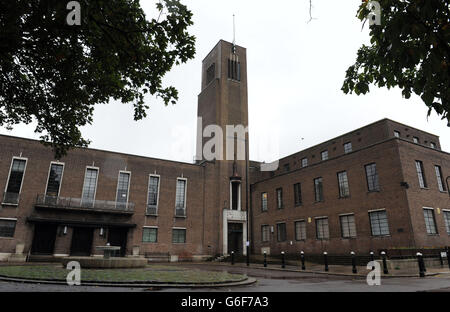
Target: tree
[(55, 73), (410, 49)]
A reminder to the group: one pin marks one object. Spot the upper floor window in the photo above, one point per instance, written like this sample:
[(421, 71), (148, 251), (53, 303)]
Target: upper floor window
[(297, 194), (318, 189), (286, 167), (15, 181), (348, 227), (7, 227), (281, 232), (416, 140), (397, 134), (430, 222), (322, 230), (234, 70), (279, 198), (344, 190), (54, 180), (180, 203), (265, 233), (324, 155), (123, 185), (300, 230), (433, 145), (89, 186), (421, 174), (372, 177), (379, 223), (304, 162), (210, 73), (264, 201), (347, 147), (153, 195), (440, 180)]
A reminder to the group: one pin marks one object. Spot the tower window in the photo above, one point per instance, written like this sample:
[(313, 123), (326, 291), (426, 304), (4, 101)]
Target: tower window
[(210, 73), (234, 70)]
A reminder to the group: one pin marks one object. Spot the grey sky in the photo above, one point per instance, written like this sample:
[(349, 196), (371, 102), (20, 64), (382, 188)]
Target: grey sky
[(295, 72)]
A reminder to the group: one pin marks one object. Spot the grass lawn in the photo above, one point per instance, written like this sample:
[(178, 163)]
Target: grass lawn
[(152, 273)]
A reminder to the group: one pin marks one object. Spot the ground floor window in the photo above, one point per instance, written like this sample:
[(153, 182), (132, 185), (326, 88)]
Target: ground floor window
[(7, 227), (379, 223), (430, 222), (265, 231), (322, 228), (300, 230), (178, 236), (150, 235), (447, 221), (348, 227)]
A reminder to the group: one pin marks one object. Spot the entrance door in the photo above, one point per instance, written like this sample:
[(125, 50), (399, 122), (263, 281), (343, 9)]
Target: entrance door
[(235, 238), (44, 239), (118, 237), (81, 241)]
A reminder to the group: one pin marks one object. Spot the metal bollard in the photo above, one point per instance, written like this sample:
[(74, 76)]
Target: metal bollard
[(248, 255), (448, 256), (283, 265), (441, 260), (302, 258), (385, 269), (354, 271), (265, 259), (372, 258), (325, 260), (232, 258), (421, 264)]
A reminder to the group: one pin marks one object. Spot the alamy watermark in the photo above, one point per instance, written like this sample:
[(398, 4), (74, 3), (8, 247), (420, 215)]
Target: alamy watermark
[(375, 13), (374, 276), (74, 276), (74, 16)]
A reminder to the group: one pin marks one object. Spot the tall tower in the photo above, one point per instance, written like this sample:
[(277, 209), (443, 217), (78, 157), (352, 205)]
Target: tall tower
[(223, 102)]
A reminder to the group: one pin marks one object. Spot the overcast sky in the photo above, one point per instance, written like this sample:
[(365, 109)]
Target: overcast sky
[(295, 73)]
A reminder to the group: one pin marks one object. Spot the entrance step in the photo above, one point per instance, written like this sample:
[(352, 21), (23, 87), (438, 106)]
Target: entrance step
[(43, 258)]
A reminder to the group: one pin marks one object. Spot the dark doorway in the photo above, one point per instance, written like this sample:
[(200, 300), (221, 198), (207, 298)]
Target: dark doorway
[(44, 239), (235, 238), (81, 241), (118, 237)]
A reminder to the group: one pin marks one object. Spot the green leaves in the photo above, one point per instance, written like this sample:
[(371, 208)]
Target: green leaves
[(410, 49), (55, 74)]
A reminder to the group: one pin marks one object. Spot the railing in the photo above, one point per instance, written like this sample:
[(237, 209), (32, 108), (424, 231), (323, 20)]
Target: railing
[(85, 204), (11, 198)]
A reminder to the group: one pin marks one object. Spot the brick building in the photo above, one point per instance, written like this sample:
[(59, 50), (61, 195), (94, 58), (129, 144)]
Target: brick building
[(377, 187)]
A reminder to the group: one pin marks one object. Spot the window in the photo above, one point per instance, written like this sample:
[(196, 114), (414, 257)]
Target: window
[(318, 189), (89, 186), (150, 235), (348, 227), (324, 155), (447, 220), (440, 180), (279, 198), (379, 223), (372, 177), (54, 180), (344, 190), (122, 188), (416, 140), (397, 134), (304, 162), (234, 70), (347, 147), (265, 233), (180, 203), (264, 201), (297, 194), (153, 195), (281, 232), (287, 167), (300, 230), (433, 145), (430, 222), (421, 174), (15, 181), (322, 231), (210, 73), (7, 227), (235, 195), (178, 236)]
